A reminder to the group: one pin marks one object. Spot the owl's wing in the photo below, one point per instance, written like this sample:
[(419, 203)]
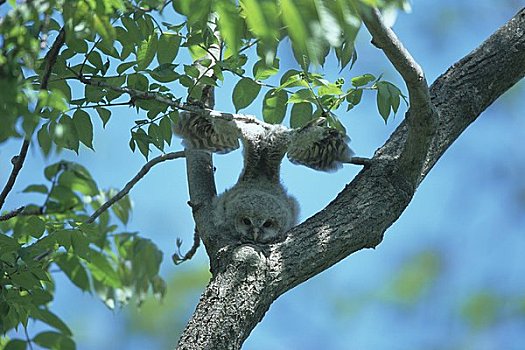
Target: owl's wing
[(319, 147), (207, 132)]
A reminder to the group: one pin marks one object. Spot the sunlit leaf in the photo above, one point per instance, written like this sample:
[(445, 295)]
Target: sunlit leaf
[(274, 106), (244, 93)]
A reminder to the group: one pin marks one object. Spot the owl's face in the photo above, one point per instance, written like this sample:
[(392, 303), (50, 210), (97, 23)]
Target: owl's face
[(257, 228), (255, 215)]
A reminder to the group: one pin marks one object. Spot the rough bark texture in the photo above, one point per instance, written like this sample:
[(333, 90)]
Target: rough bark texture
[(247, 279)]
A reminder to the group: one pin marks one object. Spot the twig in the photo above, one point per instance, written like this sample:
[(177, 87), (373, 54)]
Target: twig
[(28, 339), (18, 162), (176, 257), (143, 171), (11, 214), (360, 161)]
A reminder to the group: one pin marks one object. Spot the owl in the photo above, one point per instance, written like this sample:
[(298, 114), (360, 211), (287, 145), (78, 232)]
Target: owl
[(258, 209)]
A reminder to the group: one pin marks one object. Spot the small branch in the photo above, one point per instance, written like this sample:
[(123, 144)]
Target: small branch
[(421, 117), (28, 339), (403, 62), (176, 257), (18, 162), (143, 171), (128, 103), (360, 161), (11, 214), (51, 57)]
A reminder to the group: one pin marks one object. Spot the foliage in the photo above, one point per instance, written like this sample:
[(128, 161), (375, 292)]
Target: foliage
[(116, 53)]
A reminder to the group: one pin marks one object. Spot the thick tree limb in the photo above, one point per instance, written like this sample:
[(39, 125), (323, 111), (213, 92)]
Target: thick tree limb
[(248, 279)]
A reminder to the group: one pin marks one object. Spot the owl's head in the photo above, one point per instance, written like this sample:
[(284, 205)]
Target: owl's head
[(256, 216)]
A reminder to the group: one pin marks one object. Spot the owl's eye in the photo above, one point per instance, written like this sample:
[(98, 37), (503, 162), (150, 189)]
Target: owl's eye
[(246, 221), (268, 223)]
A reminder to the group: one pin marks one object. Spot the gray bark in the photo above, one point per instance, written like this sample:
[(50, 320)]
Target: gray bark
[(247, 279)]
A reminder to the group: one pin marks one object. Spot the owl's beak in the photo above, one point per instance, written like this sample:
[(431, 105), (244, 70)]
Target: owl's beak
[(255, 233)]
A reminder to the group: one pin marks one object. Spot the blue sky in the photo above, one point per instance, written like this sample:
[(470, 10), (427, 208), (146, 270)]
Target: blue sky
[(469, 213)]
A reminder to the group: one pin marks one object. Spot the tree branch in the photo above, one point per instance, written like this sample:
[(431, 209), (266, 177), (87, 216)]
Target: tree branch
[(384, 38), (143, 171), (199, 164), (421, 116), (18, 161), (12, 214)]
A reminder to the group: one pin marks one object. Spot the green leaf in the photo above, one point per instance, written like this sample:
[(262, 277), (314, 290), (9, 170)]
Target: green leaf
[(73, 269), (262, 20), (25, 279), (77, 182), (146, 52), (84, 127), (36, 188), (62, 86), (102, 270), (122, 209), (138, 81), (103, 26), (51, 170), (94, 93), (244, 93), (165, 73), (53, 320), (125, 66), (165, 129), (8, 244), (254, 17), (168, 47), (54, 340), (383, 101), (261, 71), (142, 140), (16, 344), (303, 95), (362, 80), (292, 78), (132, 28), (301, 114), (230, 25), (35, 227), (95, 59), (274, 106), (354, 96), (66, 134), (44, 139), (104, 115), (191, 71), (296, 27)]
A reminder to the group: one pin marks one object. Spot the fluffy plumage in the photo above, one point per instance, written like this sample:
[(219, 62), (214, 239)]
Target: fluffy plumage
[(258, 209)]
